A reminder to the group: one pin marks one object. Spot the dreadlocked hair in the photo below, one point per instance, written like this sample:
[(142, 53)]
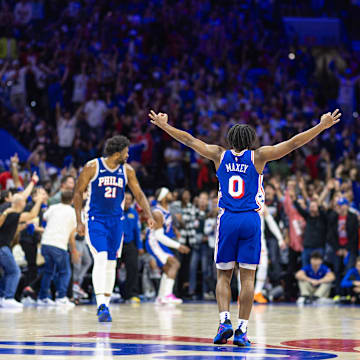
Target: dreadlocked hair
[(241, 137)]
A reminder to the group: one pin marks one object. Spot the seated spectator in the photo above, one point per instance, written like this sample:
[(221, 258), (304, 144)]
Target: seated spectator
[(351, 282), (314, 280), (58, 234)]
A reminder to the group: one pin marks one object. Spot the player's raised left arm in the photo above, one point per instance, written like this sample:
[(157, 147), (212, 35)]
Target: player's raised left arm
[(139, 194), (275, 152), (211, 152)]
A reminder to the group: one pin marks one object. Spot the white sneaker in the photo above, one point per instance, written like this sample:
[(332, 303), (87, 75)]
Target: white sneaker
[(325, 301), (64, 302), (159, 300), (45, 302), (301, 300), (28, 301), (79, 292), (11, 303)]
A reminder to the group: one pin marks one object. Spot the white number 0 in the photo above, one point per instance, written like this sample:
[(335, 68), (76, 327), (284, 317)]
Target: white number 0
[(236, 187), (110, 192)]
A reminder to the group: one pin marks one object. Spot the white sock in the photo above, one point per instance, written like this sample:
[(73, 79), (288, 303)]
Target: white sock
[(261, 275), (107, 300), (169, 286), (110, 276), (225, 315), (242, 325), (162, 285), (100, 299), (99, 276)]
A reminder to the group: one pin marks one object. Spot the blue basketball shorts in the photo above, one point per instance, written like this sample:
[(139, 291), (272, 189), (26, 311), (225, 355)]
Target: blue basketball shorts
[(158, 250), (238, 239), (105, 234)]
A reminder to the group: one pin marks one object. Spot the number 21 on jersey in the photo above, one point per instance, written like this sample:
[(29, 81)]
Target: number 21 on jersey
[(110, 192), (236, 187)]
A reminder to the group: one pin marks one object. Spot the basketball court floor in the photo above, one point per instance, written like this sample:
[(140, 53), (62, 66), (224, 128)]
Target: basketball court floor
[(184, 332)]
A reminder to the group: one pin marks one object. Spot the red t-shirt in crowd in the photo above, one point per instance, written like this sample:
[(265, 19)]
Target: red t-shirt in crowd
[(7, 182), (343, 239)]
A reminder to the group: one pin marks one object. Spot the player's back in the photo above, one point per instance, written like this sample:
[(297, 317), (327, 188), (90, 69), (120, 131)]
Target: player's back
[(240, 185), (106, 190)]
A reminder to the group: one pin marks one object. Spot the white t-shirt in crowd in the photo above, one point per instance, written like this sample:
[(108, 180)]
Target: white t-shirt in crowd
[(61, 221), (18, 79), (79, 91), (66, 131), (95, 113)]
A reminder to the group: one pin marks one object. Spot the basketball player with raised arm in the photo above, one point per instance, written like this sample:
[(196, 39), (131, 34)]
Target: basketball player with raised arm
[(241, 199), (106, 179)]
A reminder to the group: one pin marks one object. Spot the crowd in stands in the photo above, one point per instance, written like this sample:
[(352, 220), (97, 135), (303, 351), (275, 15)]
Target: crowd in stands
[(311, 242), (73, 73)]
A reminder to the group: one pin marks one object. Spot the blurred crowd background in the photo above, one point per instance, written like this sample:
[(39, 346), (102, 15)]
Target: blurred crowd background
[(73, 73)]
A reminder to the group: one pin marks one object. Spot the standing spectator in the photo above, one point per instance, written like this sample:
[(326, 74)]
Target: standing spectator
[(67, 183), (11, 179), (275, 210), (95, 112), (132, 246), (9, 221), (200, 249), (80, 86), (351, 282), (16, 77), (314, 280), (210, 231), (187, 220), (30, 238), (315, 229), (174, 157), (59, 233), (343, 235), (66, 129), (295, 240)]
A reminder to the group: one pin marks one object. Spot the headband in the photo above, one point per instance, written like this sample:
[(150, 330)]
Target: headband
[(163, 192)]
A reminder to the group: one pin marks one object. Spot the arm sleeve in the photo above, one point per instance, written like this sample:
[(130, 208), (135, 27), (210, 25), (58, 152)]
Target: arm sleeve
[(274, 228), (346, 282), (159, 233), (301, 211), (137, 234)]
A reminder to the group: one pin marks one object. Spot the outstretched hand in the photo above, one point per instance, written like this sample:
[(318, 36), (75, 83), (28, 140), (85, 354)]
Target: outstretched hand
[(158, 119), (330, 119)]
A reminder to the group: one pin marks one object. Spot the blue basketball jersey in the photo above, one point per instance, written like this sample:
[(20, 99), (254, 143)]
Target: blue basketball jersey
[(240, 185), (106, 191), (168, 222)]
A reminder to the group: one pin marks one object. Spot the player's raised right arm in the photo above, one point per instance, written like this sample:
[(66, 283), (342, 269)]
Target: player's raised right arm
[(82, 182), (211, 152), (275, 152)]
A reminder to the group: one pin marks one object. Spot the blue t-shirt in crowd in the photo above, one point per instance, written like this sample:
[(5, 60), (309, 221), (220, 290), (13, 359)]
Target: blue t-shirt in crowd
[(309, 271), (352, 275)]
